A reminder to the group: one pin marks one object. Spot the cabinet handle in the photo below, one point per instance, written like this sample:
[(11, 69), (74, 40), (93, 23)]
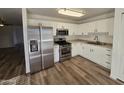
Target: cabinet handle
[(107, 62), (91, 50), (108, 55), (108, 50)]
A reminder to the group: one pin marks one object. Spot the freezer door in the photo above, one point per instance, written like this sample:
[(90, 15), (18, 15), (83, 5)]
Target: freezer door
[(47, 60), (34, 40), (35, 63)]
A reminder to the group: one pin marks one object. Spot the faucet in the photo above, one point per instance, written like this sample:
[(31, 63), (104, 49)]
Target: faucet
[(96, 38)]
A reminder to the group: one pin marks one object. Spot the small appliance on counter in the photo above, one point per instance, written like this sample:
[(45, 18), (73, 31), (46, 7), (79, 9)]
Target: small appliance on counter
[(40, 42)]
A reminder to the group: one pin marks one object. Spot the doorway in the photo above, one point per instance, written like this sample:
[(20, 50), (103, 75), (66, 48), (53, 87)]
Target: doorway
[(12, 61)]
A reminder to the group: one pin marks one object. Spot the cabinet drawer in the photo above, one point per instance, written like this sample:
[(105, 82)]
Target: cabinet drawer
[(107, 64), (109, 51)]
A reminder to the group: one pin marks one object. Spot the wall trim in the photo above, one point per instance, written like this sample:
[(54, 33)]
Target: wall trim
[(41, 17), (100, 17), (46, 18)]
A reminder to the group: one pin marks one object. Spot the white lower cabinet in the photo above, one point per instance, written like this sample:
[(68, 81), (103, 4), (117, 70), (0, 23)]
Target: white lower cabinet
[(75, 49), (97, 54), (85, 51), (56, 53)]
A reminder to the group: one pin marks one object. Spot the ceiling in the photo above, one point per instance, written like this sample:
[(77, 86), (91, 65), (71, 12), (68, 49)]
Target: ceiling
[(11, 15), (52, 12), (14, 15)]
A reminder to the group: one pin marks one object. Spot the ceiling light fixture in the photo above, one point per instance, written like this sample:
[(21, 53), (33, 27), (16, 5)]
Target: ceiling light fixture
[(1, 23), (71, 12)]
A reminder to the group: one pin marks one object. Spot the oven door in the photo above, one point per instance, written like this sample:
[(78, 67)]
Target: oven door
[(65, 51)]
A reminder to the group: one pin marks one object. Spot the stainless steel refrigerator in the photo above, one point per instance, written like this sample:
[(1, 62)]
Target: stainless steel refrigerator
[(40, 41)]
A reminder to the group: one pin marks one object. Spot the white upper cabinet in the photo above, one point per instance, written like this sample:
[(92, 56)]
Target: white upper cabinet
[(84, 28), (92, 26), (73, 29), (101, 25), (110, 24), (104, 25)]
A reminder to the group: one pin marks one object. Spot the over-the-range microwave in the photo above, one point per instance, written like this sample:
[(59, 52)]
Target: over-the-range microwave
[(62, 32)]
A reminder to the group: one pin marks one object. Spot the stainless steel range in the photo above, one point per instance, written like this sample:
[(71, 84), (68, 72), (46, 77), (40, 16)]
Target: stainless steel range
[(64, 49)]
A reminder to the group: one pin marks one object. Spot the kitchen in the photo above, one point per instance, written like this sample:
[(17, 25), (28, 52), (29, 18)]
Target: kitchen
[(91, 38), (79, 47)]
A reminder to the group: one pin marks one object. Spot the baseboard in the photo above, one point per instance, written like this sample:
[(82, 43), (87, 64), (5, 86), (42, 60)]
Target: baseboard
[(113, 76)]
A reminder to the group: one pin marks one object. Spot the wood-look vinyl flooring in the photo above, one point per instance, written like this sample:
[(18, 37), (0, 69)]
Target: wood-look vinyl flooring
[(76, 71), (11, 63)]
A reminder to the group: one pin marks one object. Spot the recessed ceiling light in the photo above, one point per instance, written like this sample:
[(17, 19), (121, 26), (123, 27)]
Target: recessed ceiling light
[(71, 12)]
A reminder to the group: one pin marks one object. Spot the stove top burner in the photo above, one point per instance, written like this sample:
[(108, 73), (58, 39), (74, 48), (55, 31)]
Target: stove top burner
[(63, 43)]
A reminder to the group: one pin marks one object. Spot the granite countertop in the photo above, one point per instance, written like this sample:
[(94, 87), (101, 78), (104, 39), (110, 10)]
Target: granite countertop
[(106, 45)]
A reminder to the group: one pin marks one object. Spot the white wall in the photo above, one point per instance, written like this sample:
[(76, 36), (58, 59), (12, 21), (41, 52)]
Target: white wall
[(24, 20), (117, 68), (10, 36)]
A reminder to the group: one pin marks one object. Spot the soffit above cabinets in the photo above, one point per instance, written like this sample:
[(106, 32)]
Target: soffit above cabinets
[(53, 13)]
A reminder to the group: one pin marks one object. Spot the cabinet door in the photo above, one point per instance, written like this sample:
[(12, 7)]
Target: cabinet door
[(85, 51), (92, 26), (92, 54), (56, 53), (79, 29), (74, 49), (101, 25), (110, 26), (85, 28), (73, 29), (105, 25), (99, 55), (79, 48)]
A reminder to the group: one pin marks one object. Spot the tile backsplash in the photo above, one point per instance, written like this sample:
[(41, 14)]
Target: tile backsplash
[(101, 38)]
